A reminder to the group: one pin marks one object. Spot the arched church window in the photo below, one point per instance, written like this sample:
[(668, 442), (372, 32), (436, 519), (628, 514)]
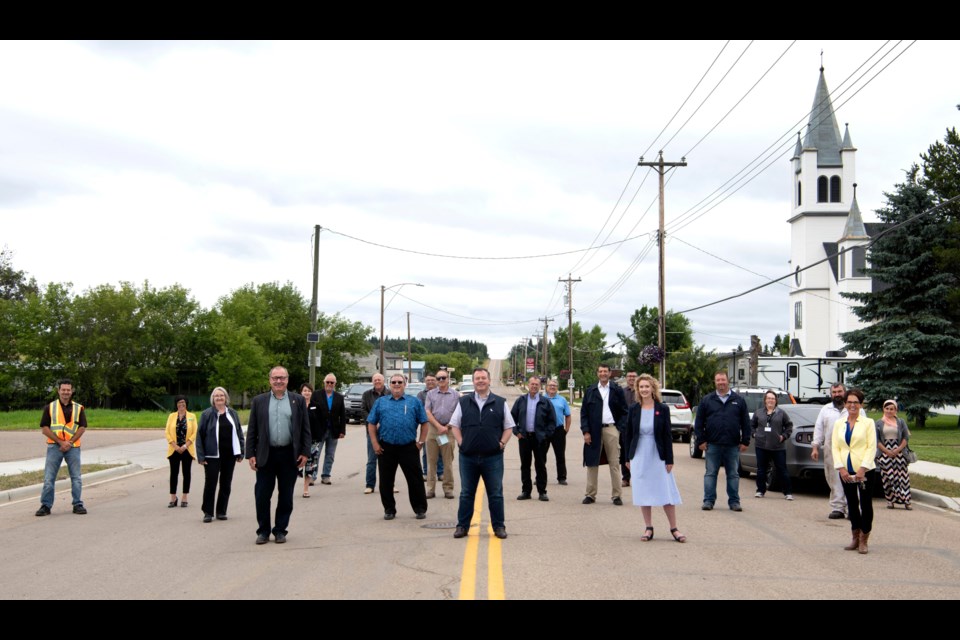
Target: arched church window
[(799, 198), (822, 189)]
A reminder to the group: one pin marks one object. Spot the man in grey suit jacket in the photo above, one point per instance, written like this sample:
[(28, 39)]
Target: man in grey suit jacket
[(278, 442)]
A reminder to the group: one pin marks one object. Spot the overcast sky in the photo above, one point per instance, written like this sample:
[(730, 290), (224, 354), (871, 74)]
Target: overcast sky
[(207, 164)]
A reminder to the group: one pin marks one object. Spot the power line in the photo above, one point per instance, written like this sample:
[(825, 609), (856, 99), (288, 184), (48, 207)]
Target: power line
[(716, 86), (742, 98), (692, 91), (453, 257)]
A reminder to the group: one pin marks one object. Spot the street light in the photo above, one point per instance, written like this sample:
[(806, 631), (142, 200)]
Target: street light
[(383, 291)]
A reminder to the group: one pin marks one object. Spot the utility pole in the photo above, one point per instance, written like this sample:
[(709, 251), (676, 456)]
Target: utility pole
[(409, 352), (661, 168), (546, 343), (536, 353), (313, 304), (569, 280), (383, 290)]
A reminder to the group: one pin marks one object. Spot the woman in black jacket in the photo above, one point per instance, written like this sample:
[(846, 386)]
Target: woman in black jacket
[(219, 448), (771, 430), (649, 445)]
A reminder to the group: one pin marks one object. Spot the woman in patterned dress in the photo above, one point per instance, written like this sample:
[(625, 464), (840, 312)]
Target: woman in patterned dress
[(892, 438), (309, 471)]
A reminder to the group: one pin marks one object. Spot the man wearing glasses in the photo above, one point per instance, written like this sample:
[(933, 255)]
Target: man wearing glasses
[(392, 425), (278, 442), (441, 402)]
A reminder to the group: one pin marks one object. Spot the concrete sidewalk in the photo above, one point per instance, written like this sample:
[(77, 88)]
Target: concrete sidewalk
[(148, 454)]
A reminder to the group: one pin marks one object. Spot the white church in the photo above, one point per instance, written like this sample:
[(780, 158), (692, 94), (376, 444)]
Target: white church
[(824, 221)]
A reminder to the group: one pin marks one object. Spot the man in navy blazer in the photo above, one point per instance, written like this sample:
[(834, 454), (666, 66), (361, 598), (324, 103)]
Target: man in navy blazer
[(278, 442), (602, 418), (536, 422)]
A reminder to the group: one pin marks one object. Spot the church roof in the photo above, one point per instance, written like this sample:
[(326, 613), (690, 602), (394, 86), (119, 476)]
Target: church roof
[(798, 149), (847, 143), (854, 229), (823, 133)]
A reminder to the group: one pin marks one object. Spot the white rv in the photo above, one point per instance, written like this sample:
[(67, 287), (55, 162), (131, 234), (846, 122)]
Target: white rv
[(807, 379)]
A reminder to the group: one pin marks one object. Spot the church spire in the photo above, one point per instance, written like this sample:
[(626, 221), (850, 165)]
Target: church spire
[(823, 133), (854, 229)]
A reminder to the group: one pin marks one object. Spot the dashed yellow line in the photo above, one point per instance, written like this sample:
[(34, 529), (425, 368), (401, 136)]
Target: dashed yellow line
[(468, 576)]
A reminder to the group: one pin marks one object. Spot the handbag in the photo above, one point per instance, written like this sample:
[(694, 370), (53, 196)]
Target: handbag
[(909, 455)]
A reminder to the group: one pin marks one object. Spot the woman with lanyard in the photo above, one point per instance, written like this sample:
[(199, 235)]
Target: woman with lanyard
[(771, 430), (181, 434), (219, 449), (854, 450)]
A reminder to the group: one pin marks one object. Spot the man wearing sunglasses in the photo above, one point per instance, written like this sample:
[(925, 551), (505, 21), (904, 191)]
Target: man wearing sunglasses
[(441, 403), (392, 426)]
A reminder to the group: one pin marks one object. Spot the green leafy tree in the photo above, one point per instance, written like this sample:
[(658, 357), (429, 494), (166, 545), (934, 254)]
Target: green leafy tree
[(460, 362), (341, 340), (644, 323), (588, 350), (691, 371), (911, 347), (277, 317), (240, 364), (14, 285)]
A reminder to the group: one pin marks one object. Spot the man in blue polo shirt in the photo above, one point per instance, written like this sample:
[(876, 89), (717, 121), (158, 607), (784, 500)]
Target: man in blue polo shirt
[(392, 425), (559, 438), (722, 431)]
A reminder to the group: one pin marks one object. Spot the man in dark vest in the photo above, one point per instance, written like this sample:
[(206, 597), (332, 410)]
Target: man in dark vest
[(482, 426)]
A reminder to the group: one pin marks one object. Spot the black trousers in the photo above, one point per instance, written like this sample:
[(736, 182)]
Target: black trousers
[(217, 471), (530, 448), (624, 471), (407, 457), (280, 471), (559, 443), (779, 459), (178, 460), (860, 502)]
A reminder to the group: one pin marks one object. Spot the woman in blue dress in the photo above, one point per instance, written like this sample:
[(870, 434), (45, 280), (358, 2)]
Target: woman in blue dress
[(649, 445)]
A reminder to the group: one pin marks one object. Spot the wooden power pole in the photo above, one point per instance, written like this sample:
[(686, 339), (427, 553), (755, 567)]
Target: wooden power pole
[(661, 168), (569, 280)]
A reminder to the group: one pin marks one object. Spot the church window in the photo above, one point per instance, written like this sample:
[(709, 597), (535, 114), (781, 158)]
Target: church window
[(822, 189), (843, 264), (799, 198), (835, 189), (859, 262), (798, 315)]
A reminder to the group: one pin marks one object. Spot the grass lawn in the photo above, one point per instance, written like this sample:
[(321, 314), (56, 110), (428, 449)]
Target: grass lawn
[(36, 477), (99, 419), (935, 485), (938, 441)]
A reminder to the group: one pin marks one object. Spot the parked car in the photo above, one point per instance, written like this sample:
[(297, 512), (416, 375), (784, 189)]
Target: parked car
[(353, 400), (681, 417), (799, 446), (754, 398), (466, 388), (414, 388)]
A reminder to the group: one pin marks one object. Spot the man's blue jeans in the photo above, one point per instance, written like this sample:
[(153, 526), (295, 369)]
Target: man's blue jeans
[(329, 446), (729, 457), (54, 458), (472, 468), (371, 463)]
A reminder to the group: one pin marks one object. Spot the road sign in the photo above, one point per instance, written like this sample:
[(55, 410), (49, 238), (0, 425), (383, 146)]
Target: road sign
[(313, 338), (530, 365)]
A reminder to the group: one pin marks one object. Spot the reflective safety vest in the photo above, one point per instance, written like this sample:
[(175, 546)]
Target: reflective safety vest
[(62, 429)]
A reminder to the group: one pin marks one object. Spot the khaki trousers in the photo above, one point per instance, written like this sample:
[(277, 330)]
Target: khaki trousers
[(434, 450), (611, 444), (838, 501)]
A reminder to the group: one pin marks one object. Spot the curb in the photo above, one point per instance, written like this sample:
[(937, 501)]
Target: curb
[(34, 490), (935, 500)]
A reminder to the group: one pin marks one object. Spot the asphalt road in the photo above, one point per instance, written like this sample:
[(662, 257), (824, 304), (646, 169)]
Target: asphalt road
[(339, 547)]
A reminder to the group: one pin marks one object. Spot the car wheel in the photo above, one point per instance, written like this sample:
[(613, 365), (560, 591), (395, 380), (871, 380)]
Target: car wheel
[(686, 437), (695, 451), (741, 470)]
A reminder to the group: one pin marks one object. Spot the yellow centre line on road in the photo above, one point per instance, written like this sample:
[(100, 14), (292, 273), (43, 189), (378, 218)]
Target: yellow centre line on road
[(468, 575)]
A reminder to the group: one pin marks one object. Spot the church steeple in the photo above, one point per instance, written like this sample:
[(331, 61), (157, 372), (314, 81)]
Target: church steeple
[(854, 229), (823, 133)]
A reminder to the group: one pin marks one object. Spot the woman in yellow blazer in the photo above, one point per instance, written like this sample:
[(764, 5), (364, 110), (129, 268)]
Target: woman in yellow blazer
[(181, 436), (854, 451)]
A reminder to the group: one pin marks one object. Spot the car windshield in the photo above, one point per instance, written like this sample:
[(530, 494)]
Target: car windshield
[(673, 398), (359, 388), (466, 386)]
